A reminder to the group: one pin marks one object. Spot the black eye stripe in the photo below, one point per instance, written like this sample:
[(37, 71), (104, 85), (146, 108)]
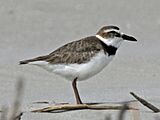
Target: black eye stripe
[(115, 33)]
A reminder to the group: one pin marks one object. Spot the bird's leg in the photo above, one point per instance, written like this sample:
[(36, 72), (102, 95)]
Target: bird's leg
[(74, 85)]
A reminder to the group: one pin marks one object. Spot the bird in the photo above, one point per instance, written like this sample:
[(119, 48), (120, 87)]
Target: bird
[(82, 59)]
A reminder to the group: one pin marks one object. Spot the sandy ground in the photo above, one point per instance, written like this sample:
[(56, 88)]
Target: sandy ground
[(30, 28)]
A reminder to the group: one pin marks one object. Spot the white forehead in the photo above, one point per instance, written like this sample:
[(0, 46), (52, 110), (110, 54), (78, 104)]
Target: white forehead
[(109, 30)]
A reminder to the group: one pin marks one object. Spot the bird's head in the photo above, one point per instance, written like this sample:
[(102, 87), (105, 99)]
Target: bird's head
[(111, 35)]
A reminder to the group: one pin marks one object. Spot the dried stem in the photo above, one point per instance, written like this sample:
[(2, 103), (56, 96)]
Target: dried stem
[(17, 101), (4, 113), (18, 117), (122, 112), (145, 103), (69, 107)]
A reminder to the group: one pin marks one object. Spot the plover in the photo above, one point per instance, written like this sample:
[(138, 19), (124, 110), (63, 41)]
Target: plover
[(84, 58)]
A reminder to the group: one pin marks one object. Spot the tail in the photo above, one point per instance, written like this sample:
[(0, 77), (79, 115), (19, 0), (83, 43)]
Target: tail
[(41, 58)]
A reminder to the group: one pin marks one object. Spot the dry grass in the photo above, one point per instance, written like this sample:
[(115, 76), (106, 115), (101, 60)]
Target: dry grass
[(145, 103), (15, 110), (69, 107)]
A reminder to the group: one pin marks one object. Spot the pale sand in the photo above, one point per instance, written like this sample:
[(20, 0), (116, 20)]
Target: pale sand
[(30, 28)]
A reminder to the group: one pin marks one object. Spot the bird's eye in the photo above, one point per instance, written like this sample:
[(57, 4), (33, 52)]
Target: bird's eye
[(111, 35)]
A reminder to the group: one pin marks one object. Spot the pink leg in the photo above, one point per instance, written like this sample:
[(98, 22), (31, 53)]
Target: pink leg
[(74, 85)]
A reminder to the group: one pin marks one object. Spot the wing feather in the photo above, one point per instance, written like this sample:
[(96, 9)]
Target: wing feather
[(75, 52)]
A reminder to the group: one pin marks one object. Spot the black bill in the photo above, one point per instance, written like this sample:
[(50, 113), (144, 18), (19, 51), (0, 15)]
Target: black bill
[(129, 38)]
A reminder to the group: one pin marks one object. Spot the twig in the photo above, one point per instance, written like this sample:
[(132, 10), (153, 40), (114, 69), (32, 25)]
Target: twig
[(108, 117), (18, 98), (145, 103), (69, 107), (122, 112), (41, 102), (4, 113), (135, 113), (18, 117)]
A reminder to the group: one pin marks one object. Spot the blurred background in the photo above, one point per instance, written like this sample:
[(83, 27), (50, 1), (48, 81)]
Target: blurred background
[(30, 28)]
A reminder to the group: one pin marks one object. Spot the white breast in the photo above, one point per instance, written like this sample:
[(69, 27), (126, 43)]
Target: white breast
[(82, 71), (94, 66)]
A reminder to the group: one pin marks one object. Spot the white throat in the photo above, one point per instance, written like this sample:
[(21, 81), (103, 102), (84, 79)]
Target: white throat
[(116, 42)]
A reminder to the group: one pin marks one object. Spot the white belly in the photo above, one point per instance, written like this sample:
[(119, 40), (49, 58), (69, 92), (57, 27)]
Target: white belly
[(82, 71)]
